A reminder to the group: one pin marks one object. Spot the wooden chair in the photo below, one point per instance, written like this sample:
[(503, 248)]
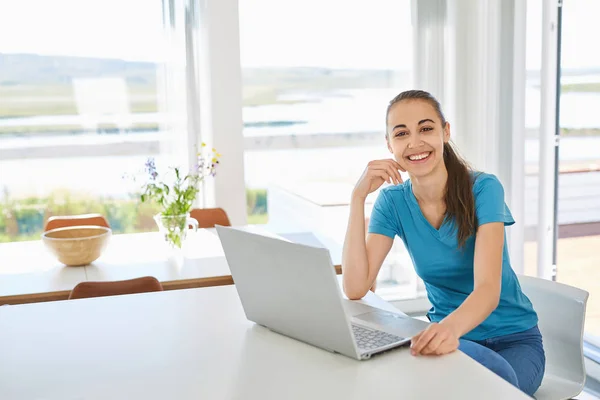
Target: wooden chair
[(113, 288), (209, 217), (62, 221)]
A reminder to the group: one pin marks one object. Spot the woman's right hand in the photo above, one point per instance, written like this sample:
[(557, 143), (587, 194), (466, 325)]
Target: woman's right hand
[(377, 172)]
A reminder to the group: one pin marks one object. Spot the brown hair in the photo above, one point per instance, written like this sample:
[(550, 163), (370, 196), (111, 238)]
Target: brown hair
[(459, 199)]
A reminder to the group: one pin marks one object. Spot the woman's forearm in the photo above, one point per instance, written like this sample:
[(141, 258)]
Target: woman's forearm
[(473, 311), (355, 264)]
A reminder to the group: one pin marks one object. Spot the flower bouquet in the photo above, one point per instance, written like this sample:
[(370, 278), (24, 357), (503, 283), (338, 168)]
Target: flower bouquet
[(175, 192)]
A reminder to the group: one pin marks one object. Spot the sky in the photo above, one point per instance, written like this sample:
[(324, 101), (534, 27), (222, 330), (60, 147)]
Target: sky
[(325, 33)]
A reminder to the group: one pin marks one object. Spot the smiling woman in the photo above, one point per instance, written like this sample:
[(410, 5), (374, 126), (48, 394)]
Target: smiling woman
[(452, 221), (423, 152)]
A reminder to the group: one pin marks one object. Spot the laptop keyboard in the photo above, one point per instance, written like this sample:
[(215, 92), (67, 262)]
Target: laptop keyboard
[(369, 339)]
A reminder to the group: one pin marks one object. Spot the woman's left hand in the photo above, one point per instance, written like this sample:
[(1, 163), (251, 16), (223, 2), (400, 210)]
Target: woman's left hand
[(437, 339)]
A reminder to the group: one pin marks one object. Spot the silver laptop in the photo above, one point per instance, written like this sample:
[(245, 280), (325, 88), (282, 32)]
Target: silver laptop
[(292, 289)]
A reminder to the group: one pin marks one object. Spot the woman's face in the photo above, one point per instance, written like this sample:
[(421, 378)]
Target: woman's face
[(416, 137)]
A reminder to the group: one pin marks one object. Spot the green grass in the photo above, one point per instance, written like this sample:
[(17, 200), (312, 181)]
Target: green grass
[(4, 238), (261, 87), (44, 100), (253, 219), (23, 218), (72, 129), (263, 95), (258, 219), (580, 132), (589, 87), (33, 100)]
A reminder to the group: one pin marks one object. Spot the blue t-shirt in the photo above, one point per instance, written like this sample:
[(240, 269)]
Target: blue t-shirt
[(447, 270)]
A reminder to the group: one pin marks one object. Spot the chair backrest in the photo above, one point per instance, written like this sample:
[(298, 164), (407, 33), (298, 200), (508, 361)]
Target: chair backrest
[(112, 288), (209, 217), (561, 313), (62, 221)]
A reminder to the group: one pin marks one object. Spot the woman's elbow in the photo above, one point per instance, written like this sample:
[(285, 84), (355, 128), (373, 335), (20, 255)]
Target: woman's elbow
[(354, 293)]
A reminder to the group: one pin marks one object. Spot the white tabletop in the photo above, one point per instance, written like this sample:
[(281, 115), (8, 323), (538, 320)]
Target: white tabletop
[(29, 268), (131, 256), (197, 344)]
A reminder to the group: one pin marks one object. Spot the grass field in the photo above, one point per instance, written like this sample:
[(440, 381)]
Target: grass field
[(23, 218), (580, 132), (35, 100), (581, 87), (70, 129), (258, 219), (261, 87)]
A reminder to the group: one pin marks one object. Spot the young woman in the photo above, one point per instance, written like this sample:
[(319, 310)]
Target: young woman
[(452, 220)]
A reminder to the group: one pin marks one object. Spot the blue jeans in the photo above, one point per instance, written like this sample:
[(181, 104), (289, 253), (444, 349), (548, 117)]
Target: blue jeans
[(518, 358)]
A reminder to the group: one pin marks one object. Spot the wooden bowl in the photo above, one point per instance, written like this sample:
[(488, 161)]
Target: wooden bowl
[(77, 245)]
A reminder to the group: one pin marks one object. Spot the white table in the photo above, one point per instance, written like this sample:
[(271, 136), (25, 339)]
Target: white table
[(197, 344), (29, 273)]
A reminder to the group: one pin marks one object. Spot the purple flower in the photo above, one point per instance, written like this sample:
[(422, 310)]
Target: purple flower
[(151, 168)]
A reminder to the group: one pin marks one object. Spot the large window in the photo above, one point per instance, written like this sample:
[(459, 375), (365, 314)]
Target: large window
[(578, 178), (578, 258), (317, 77), (81, 105)]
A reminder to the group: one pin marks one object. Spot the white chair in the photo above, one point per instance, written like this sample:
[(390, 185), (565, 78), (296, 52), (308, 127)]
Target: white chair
[(561, 312)]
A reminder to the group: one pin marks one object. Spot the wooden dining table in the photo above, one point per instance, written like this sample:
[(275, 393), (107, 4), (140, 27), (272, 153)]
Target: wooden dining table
[(30, 273)]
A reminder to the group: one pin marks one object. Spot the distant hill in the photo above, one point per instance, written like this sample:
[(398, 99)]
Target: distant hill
[(260, 84), (31, 69)]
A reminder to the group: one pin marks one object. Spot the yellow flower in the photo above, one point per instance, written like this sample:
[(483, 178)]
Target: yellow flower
[(203, 144)]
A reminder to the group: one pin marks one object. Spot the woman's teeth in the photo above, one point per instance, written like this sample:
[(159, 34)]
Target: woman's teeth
[(417, 157)]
